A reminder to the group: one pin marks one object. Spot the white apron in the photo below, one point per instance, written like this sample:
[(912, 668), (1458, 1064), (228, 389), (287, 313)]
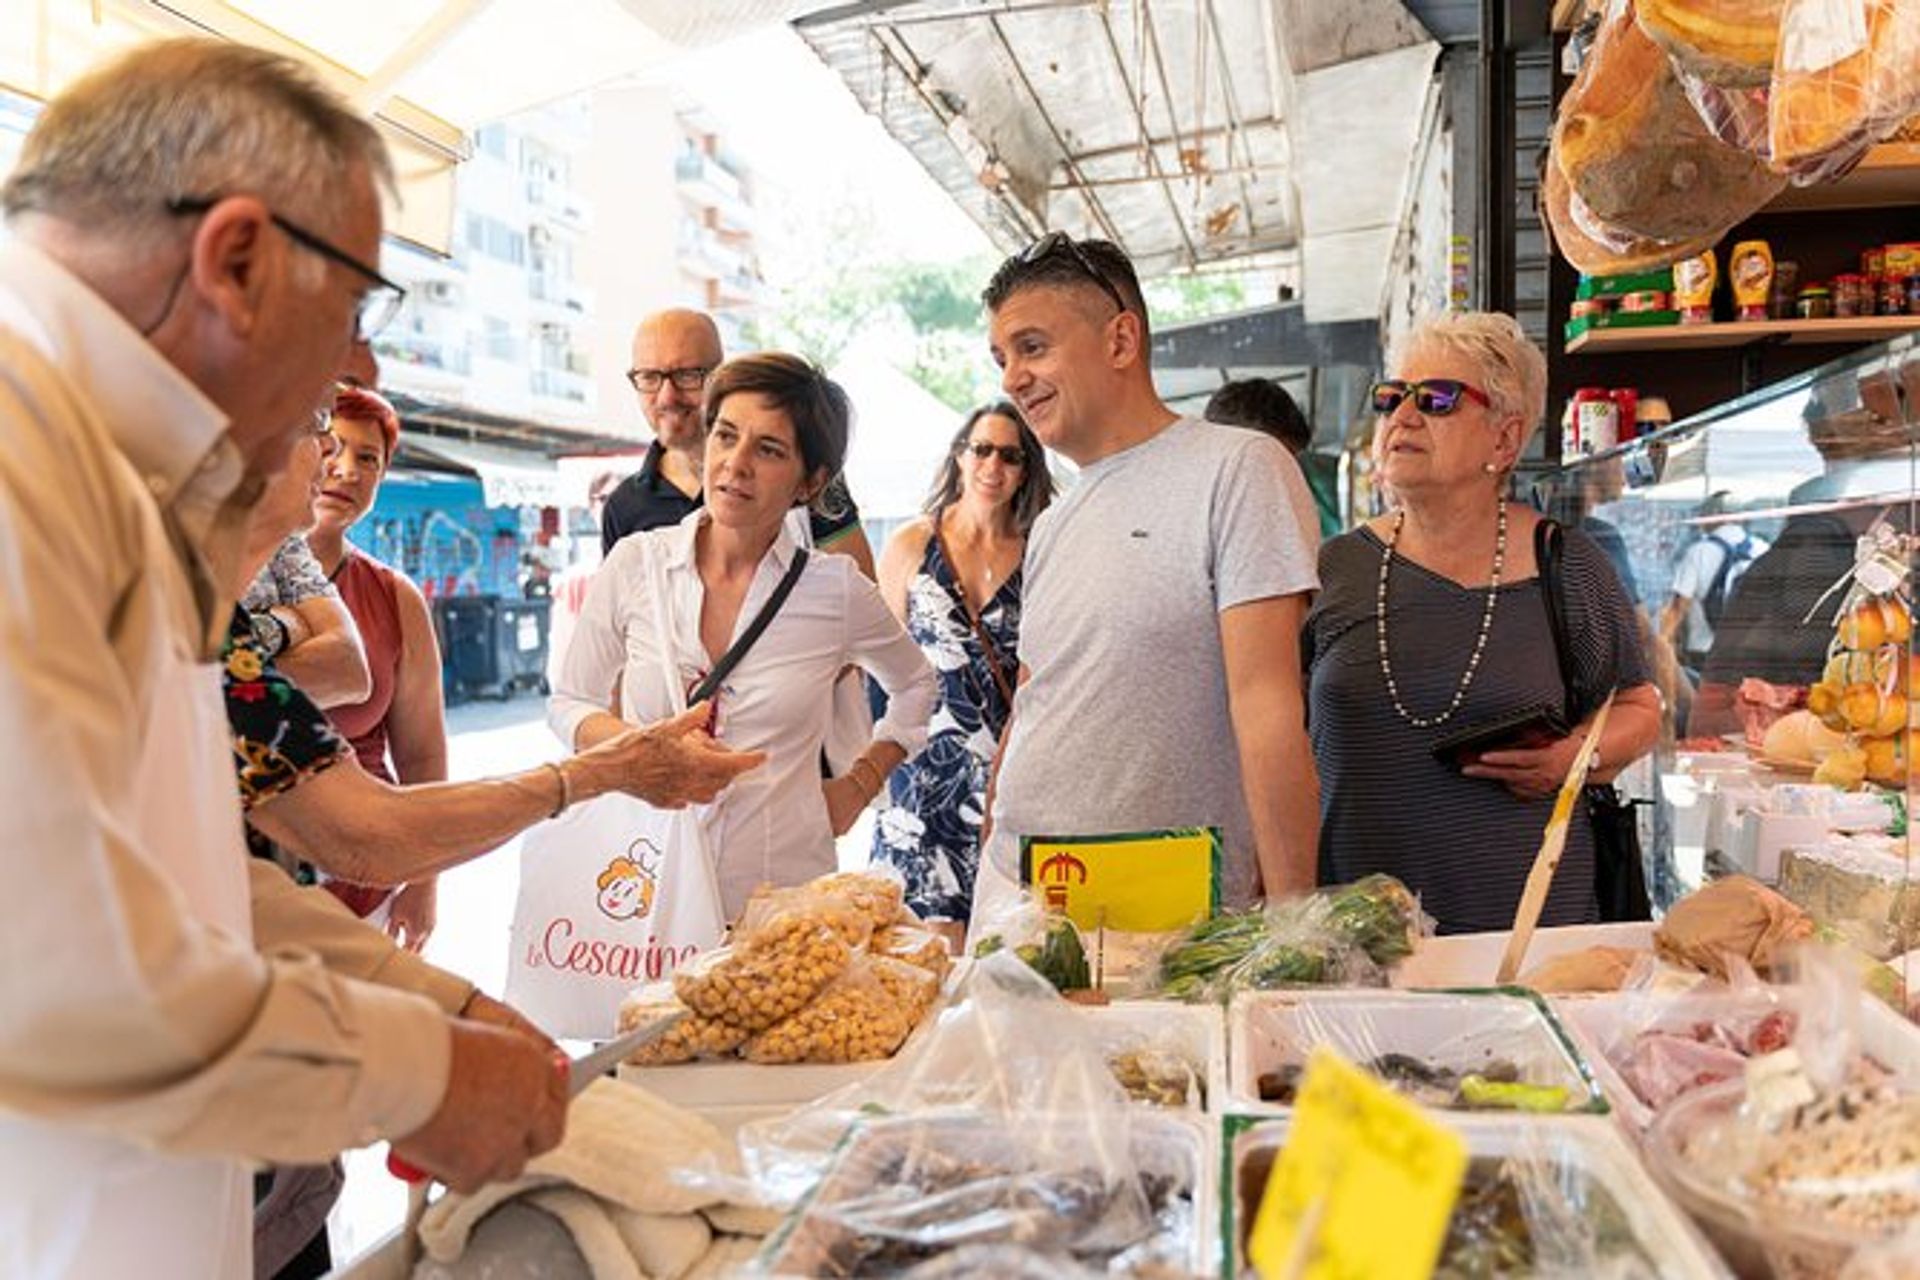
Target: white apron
[(78, 1205)]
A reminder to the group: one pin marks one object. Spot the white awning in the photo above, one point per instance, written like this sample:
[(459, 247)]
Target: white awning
[(427, 71), (508, 477)]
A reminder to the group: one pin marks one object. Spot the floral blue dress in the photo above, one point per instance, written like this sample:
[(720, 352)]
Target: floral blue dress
[(930, 827)]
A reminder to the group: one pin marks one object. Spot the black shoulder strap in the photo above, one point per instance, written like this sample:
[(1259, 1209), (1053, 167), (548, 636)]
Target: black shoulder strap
[(1547, 544), (738, 649)]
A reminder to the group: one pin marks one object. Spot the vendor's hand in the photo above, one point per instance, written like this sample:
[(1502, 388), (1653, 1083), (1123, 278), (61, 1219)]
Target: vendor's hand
[(506, 1102), (845, 799), (481, 1007), (1532, 773), (411, 918), (670, 765)]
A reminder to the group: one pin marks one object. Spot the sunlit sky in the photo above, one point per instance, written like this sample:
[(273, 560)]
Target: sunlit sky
[(795, 121)]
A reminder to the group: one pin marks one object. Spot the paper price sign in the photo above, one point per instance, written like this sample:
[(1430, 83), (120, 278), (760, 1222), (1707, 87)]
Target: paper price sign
[(1364, 1188), (1137, 882)]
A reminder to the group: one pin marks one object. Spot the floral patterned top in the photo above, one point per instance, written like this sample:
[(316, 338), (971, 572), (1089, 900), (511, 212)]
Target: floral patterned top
[(280, 738), (930, 827)]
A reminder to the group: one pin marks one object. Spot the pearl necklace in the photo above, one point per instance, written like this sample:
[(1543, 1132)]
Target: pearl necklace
[(1479, 644)]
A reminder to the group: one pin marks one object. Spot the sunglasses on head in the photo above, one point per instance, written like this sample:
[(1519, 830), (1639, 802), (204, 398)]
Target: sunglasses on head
[(1010, 454), (1434, 396), (1059, 242)]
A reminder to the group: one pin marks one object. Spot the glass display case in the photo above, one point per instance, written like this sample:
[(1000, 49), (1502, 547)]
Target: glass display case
[(1768, 544)]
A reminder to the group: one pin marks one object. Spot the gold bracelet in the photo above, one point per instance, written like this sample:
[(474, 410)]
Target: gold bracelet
[(872, 768), (566, 788)]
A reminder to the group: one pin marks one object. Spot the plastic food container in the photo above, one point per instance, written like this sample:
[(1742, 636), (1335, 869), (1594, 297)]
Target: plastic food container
[(1472, 959), (1195, 1034), (1585, 1156), (883, 1162), (1459, 1032), (1755, 1239), (1597, 1021)]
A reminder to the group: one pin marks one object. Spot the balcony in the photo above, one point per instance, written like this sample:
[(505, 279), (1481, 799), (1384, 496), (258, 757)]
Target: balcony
[(705, 256), (708, 185), (416, 351), (565, 207), (560, 384)]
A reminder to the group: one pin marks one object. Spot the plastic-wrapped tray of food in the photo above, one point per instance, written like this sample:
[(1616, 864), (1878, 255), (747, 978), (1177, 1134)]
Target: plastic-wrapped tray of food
[(1164, 1053), (1499, 1049), (907, 1190), (1645, 1051), (1805, 1194), (1562, 1199), (1473, 959)]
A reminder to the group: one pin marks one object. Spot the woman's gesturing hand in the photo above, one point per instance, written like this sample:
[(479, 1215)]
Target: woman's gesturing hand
[(1532, 773), (669, 765)]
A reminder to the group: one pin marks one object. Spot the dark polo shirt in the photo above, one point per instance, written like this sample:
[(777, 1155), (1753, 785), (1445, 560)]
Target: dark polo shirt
[(648, 500)]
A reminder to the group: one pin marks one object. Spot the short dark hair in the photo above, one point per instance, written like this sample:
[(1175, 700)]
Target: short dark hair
[(1264, 405), (1064, 267), (818, 407), (1036, 481)]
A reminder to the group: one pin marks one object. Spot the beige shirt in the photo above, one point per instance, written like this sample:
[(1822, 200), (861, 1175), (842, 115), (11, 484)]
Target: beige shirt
[(147, 1049)]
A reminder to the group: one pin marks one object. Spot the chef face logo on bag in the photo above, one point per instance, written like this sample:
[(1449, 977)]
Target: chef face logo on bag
[(628, 884)]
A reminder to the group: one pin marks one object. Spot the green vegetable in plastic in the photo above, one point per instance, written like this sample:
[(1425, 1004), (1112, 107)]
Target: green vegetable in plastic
[(1477, 1091)]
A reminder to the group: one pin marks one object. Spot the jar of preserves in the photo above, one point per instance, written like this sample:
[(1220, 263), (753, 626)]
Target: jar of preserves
[(1851, 297), (1913, 295), (1815, 303), (1596, 421), (1893, 296)]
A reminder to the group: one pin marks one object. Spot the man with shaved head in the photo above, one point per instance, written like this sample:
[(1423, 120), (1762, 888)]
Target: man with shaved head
[(673, 352)]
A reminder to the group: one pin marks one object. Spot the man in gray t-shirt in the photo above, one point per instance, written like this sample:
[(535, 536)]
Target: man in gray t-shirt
[(1164, 595)]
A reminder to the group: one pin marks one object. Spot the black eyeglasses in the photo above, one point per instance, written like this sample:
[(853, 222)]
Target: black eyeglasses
[(687, 378), (1011, 454), (1436, 397), (1056, 242), (378, 305)]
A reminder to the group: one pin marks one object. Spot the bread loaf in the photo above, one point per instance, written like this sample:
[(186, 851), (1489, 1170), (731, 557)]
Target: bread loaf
[(1729, 42)]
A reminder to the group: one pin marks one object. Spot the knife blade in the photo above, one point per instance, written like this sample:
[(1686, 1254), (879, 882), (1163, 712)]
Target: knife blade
[(590, 1066)]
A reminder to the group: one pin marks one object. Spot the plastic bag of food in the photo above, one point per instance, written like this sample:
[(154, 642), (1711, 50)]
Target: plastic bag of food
[(922, 948), (752, 985), (1047, 942), (1736, 916), (1590, 970), (771, 913), (1846, 73), (1638, 155), (914, 1191), (1540, 1212), (1723, 42), (1346, 935), (858, 1018), (694, 1036), (1008, 1045), (1157, 1070)]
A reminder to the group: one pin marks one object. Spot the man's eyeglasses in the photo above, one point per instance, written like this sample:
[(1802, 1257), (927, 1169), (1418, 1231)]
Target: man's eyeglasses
[(689, 378), (378, 305), (1059, 242), (1010, 454), (1436, 397)]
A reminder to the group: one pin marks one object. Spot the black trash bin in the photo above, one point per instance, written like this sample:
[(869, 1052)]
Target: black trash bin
[(521, 631), (469, 653)]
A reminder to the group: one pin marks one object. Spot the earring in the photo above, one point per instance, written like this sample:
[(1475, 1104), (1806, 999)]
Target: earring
[(1490, 468)]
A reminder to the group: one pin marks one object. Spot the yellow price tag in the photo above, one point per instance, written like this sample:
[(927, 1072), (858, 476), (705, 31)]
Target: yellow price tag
[(1139, 882), (1368, 1175)]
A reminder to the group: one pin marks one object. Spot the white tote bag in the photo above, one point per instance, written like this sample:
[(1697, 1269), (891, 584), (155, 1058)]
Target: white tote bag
[(613, 893)]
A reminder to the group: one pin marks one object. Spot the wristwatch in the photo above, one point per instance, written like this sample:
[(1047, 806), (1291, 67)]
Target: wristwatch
[(268, 632)]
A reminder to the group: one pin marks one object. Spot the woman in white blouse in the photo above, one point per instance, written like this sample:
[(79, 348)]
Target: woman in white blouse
[(669, 602)]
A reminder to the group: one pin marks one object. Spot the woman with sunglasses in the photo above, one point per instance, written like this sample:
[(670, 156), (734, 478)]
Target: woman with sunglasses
[(1436, 705), (668, 604), (953, 577)]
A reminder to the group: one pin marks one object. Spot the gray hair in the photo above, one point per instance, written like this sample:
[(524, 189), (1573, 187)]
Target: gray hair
[(190, 118), (1511, 365)]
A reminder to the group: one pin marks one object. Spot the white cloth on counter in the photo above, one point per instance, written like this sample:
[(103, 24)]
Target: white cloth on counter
[(611, 1184), (771, 825)]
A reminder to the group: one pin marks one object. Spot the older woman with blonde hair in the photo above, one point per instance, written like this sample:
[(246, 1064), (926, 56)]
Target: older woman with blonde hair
[(1437, 706)]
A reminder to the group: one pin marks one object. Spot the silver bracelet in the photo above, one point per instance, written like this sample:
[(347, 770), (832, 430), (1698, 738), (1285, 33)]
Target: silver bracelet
[(566, 788)]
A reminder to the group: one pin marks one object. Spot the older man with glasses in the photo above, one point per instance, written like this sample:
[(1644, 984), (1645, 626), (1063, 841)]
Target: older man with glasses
[(1159, 680), (194, 227)]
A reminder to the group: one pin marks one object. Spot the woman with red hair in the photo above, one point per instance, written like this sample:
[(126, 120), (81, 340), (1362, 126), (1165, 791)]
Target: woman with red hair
[(399, 733)]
